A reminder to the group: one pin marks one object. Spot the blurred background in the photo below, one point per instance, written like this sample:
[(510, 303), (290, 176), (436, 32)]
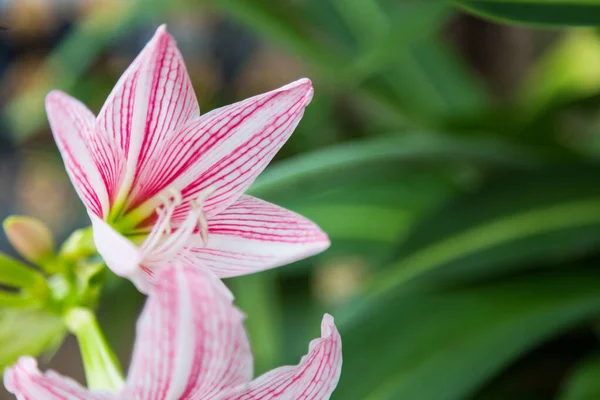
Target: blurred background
[(451, 152)]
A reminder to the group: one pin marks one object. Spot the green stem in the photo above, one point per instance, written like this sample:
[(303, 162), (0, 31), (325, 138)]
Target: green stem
[(102, 369)]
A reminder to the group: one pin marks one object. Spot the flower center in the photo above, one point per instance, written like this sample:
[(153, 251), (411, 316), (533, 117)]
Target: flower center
[(164, 242)]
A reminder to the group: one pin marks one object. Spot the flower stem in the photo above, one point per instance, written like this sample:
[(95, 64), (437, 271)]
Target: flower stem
[(102, 370)]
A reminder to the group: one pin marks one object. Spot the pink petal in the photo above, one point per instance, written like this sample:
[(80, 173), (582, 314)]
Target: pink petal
[(152, 98), (227, 148), (253, 235), (86, 155), (190, 340), (315, 378), (26, 382), (119, 253)]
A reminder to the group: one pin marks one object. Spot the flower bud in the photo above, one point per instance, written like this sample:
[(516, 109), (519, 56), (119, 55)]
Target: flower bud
[(30, 237)]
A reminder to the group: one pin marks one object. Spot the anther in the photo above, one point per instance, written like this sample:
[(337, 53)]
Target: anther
[(198, 204), (177, 197)]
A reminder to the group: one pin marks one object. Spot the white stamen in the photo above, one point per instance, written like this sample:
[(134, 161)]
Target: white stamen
[(162, 242), (199, 205)]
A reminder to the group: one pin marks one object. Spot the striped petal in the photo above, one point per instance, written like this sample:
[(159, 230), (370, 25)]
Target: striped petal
[(152, 98), (86, 155), (315, 378), (227, 148), (190, 340), (26, 382), (253, 235)]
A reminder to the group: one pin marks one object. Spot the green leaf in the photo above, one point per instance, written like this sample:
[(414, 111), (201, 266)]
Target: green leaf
[(433, 83), (258, 296), (568, 70), (505, 225), (74, 55), (30, 332), (401, 57), (282, 26), (537, 12), (367, 194), (584, 382), (365, 18), (382, 157), (19, 275), (444, 345)]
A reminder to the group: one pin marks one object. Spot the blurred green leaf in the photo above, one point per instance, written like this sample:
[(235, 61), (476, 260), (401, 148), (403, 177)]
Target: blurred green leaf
[(365, 18), (28, 332), (504, 225), (409, 23), (16, 274), (399, 73), (433, 84), (258, 297), (74, 55), (367, 194), (444, 345), (584, 382), (568, 70), (537, 12), (382, 157), (281, 25)]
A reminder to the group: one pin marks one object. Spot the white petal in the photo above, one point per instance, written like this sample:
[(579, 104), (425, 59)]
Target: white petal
[(119, 253), (73, 129), (26, 382), (253, 235), (190, 342), (227, 148), (152, 98), (315, 378)]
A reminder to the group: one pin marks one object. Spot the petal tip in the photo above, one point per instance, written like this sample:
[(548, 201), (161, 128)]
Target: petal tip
[(54, 96), (302, 85), (306, 84), (162, 33), (327, 326), (325, 242), (25, 365)]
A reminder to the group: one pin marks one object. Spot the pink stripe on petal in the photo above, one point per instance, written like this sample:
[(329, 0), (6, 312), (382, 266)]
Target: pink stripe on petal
[(73, 129), (152, 98), (227, 148), (190, 340), (26, 382), (315, 378), (253, 235)]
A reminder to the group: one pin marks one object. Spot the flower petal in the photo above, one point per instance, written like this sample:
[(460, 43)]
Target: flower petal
[(253, 235), (120, 254), (227, 148), (315, 378), (152, 98), (83, 152), (26, 382), (190, 340)]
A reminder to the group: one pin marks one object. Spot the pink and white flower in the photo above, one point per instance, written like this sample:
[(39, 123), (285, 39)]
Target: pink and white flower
[(191, 344), (157, 178)]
